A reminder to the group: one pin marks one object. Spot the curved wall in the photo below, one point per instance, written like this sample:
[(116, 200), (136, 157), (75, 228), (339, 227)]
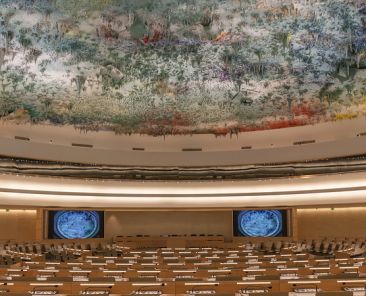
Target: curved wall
[(60, 192), (333, 139), (52, 143)]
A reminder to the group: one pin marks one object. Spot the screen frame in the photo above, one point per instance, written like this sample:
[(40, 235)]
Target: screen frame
[(50, 234), (286, 224), (292, 227)]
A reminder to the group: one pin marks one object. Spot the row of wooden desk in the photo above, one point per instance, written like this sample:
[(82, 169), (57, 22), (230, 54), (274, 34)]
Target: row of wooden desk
[(212, 272), (182, 271), (169, 241), (185, 287)]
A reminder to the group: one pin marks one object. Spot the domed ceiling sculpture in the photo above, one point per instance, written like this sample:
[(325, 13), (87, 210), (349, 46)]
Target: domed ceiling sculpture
[(182, 66)]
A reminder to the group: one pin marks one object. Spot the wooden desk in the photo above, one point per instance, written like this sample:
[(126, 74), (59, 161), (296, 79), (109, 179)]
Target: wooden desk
[(169, 241)]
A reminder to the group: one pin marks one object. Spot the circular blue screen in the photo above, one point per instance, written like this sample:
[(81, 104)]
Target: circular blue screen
[(260, 223), (76, 224)]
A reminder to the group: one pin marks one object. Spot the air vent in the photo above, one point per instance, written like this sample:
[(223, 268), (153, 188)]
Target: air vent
[(138, 149), (304, 142), (82, 145), (361, 134), (191, 149), (21, 138), (246, 147)]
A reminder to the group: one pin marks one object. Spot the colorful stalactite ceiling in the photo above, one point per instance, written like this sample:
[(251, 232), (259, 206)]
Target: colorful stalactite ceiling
[(182, 66)]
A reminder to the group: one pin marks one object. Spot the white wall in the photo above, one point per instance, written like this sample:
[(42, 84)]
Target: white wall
[(333, 139)]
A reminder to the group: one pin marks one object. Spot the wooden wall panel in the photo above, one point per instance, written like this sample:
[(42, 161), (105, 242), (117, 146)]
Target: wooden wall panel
[(168, 222), (331, 223), (25, 225), (18, 225)]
